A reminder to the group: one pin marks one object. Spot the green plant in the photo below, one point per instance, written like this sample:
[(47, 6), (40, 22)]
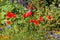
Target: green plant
[(20, 28)]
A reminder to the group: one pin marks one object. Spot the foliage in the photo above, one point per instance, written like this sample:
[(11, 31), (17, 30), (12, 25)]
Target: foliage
[(21, 29)]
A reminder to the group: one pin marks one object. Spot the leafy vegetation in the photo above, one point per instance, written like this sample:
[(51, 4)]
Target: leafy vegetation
[(16, 22)]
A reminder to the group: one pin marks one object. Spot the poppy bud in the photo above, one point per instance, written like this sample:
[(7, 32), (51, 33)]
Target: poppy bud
[(8, 22)]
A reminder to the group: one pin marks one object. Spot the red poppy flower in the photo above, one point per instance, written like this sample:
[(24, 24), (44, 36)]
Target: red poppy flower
[(49, 17), (29, 6), (9, 15), (41, 18), (8, 22), (14, 15), (29, 13), (24, 15), (34, 21)]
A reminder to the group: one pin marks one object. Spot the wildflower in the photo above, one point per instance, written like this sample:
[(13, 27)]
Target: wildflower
[(34, 21), (27, 14), (8, 22), (24, 15), (49, 17), (9, 15), (41, 18), (14, 15), (55, 35)]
